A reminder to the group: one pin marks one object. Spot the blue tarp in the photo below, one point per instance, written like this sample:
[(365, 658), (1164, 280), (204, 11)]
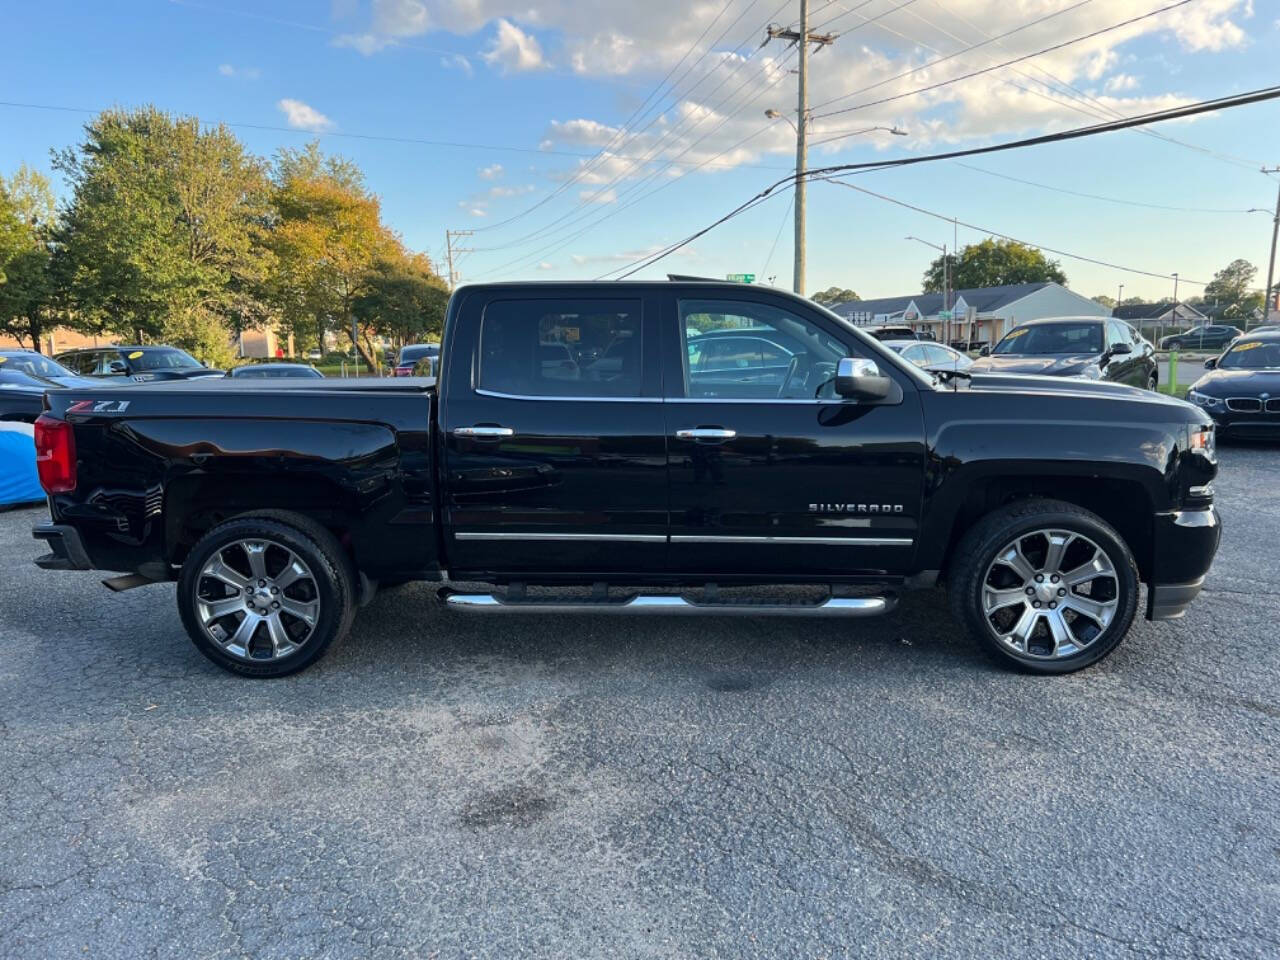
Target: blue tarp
[(18, 480)]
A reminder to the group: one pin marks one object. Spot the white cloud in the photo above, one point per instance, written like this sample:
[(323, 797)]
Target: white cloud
[(457, 62), (598, 196), (512, 50), (491, 172), (393, 20), (543, 265), (1121, 82), (302, 116), (244, 73), (495, 192)]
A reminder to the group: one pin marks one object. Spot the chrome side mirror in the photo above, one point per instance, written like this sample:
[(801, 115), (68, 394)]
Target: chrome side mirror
[(859, 379)]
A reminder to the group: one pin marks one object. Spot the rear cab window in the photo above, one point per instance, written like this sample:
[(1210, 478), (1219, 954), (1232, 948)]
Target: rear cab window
[(567, 348)]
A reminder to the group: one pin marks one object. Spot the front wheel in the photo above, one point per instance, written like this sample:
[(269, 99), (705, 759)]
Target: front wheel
[(1045, 586), (264, 596), (1153, 382)]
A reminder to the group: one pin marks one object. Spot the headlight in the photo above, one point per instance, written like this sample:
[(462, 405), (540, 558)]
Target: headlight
[(1201, 441), (1206, 401)]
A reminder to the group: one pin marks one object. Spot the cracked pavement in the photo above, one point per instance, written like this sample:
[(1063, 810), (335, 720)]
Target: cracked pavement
[(450, 786)]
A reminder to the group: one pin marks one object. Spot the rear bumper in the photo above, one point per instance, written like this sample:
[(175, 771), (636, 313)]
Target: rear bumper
[(1185, 544), (67, 550)]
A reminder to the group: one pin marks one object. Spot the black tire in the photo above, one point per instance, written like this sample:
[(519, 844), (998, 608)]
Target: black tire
[(1174, 345), (1153, 382), (332, 574), (978, 550)]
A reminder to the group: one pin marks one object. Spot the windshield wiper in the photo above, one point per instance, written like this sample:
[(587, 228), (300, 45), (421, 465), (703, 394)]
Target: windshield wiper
[(949, 375)]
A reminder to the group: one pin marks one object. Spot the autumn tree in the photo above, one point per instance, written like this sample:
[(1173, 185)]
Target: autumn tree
[(327, 239), (833, 295), (993, 263), (162, 240), (27, 289)]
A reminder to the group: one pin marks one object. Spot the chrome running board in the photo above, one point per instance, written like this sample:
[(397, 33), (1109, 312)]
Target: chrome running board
[(643, 604)]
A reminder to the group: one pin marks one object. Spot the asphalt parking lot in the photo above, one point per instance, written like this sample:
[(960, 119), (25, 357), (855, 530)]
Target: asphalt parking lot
[(442, 786)]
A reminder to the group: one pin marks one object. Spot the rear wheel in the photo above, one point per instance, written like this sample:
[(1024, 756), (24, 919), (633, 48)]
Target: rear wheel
[(1045, 585), (263, 596)]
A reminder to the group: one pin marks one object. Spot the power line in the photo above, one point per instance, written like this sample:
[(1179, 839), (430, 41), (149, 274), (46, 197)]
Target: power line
[(1006, 63), (777, 236), (951, 56), (376, 138), (617, 209), (1005, 236), (1095, 196), (1073, 92), (1221, 103), (633, 118), (583, 209)]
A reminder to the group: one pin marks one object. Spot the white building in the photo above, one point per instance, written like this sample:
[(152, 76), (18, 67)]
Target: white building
[(979, 316)]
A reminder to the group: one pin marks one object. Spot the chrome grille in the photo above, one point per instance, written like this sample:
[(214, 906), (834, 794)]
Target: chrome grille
[(1273, 405), (1244, 404)]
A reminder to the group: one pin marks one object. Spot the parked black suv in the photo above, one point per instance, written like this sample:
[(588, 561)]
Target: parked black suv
[(142, 364), (1096, 348)]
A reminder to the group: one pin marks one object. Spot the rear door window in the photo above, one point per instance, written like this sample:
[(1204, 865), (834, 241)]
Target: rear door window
[(561, 348)]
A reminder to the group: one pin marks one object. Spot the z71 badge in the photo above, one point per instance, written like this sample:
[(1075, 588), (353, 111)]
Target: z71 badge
[(99, 406)]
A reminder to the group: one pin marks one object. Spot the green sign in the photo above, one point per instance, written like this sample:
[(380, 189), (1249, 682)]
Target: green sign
[(741, 277), (944, 314)]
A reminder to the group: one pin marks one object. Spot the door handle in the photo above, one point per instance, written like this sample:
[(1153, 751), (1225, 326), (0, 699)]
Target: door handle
[(484, 433), (706, 433)]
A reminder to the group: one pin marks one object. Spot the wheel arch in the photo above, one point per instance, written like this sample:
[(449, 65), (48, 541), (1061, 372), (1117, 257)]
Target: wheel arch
[(1124, 504)]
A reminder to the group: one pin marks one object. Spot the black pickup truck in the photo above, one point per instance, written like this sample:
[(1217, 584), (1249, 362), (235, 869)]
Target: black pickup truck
[(586, 448)]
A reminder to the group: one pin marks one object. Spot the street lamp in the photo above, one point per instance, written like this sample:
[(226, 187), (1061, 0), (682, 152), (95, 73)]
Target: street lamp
[(946, 284), (800, 126)]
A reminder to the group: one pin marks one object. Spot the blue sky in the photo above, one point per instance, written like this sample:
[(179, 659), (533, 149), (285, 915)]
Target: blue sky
[(466, 113)]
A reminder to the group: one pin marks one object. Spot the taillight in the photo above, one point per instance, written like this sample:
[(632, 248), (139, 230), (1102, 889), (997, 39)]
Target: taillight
[(55, 455)]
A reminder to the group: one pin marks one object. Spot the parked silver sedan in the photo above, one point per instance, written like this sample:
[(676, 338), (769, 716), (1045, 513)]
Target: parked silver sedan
[(934, 357)]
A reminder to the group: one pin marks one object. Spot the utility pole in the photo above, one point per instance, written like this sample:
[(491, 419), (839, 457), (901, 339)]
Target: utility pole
[(450, 250), (1271, 262), (1120, 295), (802, 38)]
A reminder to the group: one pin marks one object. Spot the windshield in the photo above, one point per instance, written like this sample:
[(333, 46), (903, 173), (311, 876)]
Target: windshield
[(1052, 338), (170, 359), (412, 354), (33, 364), (1252, 355), (275, 370)]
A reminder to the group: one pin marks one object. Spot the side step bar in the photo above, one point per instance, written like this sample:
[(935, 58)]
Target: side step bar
[(641, 604)]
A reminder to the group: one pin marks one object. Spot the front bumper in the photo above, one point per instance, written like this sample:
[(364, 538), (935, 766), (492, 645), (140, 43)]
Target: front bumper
[(1185, 544), (67, 549)]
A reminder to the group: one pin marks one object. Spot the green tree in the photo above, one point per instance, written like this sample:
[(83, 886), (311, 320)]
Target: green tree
[(162, 240), (327, 239), (833, 295), (1102, 298), (405, 300), (1228, 297), (993, 263), (27, 211)]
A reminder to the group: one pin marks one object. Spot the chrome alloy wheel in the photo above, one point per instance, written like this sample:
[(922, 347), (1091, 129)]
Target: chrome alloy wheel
[(257, 600), (1049, 594)]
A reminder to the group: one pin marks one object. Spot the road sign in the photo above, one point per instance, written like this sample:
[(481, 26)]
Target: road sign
[(741, 277), (944, 314)]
